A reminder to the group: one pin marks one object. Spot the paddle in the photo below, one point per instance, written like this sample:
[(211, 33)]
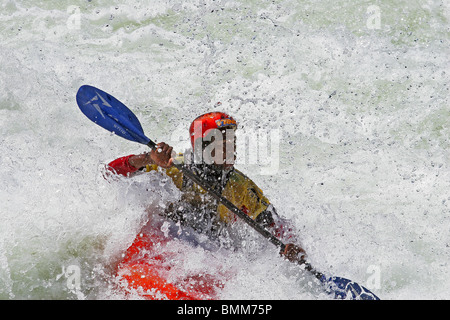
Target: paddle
[(114, 116)]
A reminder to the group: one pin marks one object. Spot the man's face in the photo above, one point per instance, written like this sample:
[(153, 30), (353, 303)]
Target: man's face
[(218, 147)]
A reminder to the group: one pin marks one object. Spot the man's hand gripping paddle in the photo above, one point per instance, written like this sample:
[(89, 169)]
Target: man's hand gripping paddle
[(114, 116)]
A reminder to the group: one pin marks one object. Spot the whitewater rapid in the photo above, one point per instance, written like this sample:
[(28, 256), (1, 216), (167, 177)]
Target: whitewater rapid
[(353, 94)]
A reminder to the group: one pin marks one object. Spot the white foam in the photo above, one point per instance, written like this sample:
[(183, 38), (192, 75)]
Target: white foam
[(363, 169)]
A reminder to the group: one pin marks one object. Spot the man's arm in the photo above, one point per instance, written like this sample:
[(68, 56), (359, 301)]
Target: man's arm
[(122, 166), (161, 156), (280, 228)]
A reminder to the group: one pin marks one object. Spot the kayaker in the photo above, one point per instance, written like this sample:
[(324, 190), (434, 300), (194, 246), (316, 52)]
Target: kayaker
[(212, 157)]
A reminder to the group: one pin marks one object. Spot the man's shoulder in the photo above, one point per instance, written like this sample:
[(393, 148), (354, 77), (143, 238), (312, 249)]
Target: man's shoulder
[(239, 176)]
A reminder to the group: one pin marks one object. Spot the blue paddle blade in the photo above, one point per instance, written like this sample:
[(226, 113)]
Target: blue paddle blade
[(346, 289), (110, 113)]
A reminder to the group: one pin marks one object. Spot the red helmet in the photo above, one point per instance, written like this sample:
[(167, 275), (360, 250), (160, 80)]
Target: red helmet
[(209, 121)]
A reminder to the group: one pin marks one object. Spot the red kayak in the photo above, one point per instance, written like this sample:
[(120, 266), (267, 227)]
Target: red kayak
[(151, 269)]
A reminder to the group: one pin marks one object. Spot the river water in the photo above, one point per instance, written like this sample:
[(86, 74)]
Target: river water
[(348, 100)]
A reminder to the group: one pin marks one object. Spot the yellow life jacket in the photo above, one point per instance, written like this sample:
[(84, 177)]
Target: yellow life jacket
[(239, 189)]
